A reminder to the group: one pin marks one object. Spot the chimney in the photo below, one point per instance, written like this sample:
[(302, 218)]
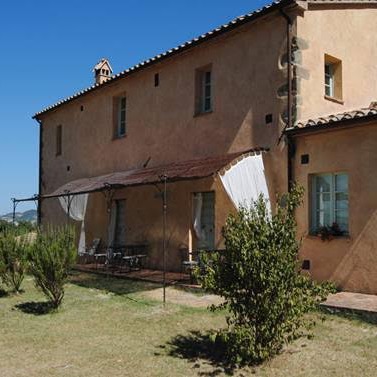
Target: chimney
[(102, 71)]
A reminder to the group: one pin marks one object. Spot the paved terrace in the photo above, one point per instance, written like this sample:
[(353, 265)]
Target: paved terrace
[(352, 301)]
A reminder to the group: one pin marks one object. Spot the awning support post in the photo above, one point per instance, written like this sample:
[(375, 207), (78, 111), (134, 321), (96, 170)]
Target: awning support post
[(15, 202), (164, 209)]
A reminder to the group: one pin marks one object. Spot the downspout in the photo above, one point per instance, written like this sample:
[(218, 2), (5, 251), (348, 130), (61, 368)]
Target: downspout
[(290, 143), (39, 210)]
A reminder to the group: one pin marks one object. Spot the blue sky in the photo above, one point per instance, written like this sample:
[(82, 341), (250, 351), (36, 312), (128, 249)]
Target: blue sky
[(48, 49)]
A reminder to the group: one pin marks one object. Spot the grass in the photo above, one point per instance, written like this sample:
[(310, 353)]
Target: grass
[(109, 327)]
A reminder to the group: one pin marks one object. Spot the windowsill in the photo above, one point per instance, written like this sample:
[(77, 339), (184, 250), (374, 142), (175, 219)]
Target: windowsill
[(333, 99), (119, 137), (202, 113), (312, 236)]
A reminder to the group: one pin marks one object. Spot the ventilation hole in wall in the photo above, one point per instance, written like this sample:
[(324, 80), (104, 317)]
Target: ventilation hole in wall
[(156, 79), (304, 159), (269, 118), (68, 168), (81, 108), (306, 264)]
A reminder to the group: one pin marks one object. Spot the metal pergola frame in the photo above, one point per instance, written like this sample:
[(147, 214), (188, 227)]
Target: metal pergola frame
[(108, 192)]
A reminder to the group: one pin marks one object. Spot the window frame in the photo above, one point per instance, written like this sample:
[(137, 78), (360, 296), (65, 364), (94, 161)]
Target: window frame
[(59, 140), (333, 89), (203, 90), (206, 84), (330, 76), (314, 226), (121, 125)]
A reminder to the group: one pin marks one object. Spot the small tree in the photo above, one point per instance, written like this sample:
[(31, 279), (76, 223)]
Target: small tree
[(13, 261), (259, 278), (51, 257)]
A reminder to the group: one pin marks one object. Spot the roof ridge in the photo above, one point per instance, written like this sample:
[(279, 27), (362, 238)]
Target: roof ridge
[(235, 22)]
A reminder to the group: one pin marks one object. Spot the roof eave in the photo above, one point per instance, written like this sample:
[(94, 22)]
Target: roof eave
[(232, 25), (334, 125)]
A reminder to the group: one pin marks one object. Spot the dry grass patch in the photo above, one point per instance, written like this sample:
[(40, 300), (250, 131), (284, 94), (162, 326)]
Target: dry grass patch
[(114, 327)]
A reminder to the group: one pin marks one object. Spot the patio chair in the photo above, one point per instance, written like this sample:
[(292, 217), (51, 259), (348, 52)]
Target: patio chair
[(190, 261), (91, 250)]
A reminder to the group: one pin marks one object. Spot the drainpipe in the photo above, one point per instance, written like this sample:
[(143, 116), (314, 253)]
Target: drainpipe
[(291, 147), (39, 210)]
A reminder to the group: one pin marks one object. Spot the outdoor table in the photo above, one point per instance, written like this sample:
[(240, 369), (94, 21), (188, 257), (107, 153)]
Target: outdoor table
[(134, 261), (190, 265)]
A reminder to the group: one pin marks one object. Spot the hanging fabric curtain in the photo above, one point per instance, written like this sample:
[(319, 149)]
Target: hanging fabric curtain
[(245, 181), (198, 204), (77, 209), (112, 225)]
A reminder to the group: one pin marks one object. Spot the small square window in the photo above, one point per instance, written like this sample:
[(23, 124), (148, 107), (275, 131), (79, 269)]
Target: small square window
[(269, 118), (304, 159)]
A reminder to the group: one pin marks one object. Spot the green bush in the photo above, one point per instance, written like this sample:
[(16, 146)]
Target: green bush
[(51, 257), (259, 278), (13, 261)]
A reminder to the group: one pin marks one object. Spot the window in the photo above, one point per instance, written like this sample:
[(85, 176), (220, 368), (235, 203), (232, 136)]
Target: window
[(330, 202), (156, 79), (59, 135), (329, 80), (333, 78), (203, 101), (207, 99), (121, 124)]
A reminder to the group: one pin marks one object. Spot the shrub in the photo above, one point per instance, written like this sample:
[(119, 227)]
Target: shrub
[(13, 261), (259, 278), (51, 257)]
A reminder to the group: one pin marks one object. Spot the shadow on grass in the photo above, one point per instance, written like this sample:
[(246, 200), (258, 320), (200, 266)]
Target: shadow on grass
[(3, 293), (35, 308), (354, 315), (109, 283), (198, 346)]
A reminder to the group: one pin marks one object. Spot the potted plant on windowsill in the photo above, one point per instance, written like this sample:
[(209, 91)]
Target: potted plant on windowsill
[(327, 233)]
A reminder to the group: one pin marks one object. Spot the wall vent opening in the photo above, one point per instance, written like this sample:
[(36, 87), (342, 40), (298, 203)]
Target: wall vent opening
[(304, 159)]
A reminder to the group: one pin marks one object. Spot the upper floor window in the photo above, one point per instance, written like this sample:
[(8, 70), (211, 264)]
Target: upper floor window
[(121, 118), (59, 136), (330, 202), (333, 78), (203, 101)]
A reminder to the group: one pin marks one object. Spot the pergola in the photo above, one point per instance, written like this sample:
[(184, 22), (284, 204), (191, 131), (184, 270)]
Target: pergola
[(158, 176)]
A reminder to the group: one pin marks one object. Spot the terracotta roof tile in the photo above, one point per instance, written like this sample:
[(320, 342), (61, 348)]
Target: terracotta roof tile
[(362, 113)]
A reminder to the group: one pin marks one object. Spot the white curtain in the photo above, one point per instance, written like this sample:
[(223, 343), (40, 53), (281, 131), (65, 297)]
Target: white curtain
[(77, 209), (245, 181), (112, 225), (198, 204)]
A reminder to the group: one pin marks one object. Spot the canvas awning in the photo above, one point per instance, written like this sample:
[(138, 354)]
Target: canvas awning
[(177, 171)]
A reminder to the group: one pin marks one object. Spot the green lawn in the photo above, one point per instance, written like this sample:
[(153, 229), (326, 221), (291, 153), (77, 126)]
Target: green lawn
[(112, 327)]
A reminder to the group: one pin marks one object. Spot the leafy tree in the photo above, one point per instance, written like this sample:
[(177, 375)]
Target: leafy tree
[(51, 257), (13, 261), (259, 278)]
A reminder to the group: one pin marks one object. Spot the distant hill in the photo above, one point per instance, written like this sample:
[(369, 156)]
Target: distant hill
[(30, 216)]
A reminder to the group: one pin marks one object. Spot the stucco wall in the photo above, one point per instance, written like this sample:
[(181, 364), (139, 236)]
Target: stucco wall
[(349, 261), (144, 218), (247, 74), (349, 33)]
